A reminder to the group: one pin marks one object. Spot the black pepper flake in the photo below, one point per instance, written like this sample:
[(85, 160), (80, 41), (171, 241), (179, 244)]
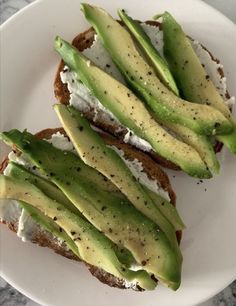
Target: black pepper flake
[(163, 203), (105, 179), (149, 72), (141, 78), (138, 198), (68, 183), (34, 167), (143, 262), (81, 128), (51, 174), (60, 229), (73, 233), (105, 92), (103, 208), (110, 230), (55, 218), (72, 80), (108, 66), (128, 94), (207, 77), (132, 78), (78, 169), (40, 162), (112, 175), (145, 203)]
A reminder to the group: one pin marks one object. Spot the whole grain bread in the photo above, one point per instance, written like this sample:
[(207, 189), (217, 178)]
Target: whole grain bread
[(45, 239), (85, 40)]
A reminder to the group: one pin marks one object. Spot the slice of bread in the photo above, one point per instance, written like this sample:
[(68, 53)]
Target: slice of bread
[(85, 40), (45, 239)]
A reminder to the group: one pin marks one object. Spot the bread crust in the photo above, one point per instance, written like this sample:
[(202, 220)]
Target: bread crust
[(44, 239), (85, 40)]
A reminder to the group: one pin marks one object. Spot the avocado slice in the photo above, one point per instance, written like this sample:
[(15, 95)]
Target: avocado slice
[(160, 65), (167, 209), (186, 67), (229, 140), (201, 143), (50, 226), (93, 246), (94, 152), (165, 104), (190, 75), (115, 217), (130, 111), (19, 172)]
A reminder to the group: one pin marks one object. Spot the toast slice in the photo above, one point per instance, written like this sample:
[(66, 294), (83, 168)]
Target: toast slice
[(84, 41), (46, 239)]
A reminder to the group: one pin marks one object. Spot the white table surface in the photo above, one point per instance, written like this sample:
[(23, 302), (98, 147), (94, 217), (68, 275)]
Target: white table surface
[(10, 296)]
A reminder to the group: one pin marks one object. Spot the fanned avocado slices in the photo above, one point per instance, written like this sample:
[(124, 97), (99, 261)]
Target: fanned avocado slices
[(141, 77), (86, 237)]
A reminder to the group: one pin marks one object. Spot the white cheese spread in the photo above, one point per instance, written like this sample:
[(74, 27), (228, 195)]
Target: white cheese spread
[(137, 170)]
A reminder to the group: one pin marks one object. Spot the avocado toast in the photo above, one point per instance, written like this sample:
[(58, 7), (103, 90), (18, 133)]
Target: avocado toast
[(93, 47), (45, 236)]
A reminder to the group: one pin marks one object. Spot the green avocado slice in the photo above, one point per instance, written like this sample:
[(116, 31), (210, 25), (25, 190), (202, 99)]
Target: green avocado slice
[(115, 217), (165, 104), (201, 143), (160, 65), (130, 111), (167, 209), (94, 247), (190, 75)]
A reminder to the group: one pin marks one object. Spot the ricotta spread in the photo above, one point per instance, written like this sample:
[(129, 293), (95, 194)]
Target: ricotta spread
[(137, 170)]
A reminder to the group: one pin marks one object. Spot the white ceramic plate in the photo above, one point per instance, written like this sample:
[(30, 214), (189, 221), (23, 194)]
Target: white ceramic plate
[(28, 65)]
